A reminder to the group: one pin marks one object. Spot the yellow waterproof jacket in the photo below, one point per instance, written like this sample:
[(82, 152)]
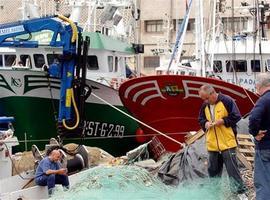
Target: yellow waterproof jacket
[(220, 138)]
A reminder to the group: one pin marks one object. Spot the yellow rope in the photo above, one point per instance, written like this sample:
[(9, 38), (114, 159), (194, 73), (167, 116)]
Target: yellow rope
[(73, 39), (77, 114), (73, 27)]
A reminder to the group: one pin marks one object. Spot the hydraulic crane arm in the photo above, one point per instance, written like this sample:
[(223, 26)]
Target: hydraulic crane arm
[(68, 33)]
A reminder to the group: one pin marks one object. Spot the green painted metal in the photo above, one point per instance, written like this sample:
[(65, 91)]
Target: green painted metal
[(97, 41), (35, 124), (100, 41)]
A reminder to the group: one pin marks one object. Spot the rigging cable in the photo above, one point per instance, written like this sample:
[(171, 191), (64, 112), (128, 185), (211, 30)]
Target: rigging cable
[(233, 61), (137, 120)]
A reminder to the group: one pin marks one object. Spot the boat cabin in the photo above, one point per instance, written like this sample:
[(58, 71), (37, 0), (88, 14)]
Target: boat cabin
[(107, 58), (241, 67)]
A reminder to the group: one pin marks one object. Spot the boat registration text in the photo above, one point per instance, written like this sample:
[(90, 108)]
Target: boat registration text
[(99, 129)]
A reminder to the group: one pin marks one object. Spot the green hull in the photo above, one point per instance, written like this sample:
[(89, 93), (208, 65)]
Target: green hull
[(35, 122)]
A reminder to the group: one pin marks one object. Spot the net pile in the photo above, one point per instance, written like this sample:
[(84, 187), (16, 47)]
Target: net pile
[(133, 183)]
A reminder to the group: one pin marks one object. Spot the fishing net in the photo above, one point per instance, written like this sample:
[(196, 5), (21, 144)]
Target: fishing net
[(131, 182)]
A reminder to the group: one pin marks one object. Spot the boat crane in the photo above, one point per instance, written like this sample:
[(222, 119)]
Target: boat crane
[(70, 37)]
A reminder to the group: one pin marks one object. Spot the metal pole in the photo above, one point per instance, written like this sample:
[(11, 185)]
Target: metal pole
[(136, 37), (25, 141)]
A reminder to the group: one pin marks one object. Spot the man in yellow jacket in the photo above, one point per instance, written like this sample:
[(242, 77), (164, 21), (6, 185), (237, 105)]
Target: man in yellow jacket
[(218, 117)]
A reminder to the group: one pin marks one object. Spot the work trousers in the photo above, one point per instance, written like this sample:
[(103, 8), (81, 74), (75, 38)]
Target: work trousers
[(52, 179), (262, 174), (227, 157)]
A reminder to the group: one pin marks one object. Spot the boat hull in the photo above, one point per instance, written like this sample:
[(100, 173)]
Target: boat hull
[(26, 96), (170, 103)]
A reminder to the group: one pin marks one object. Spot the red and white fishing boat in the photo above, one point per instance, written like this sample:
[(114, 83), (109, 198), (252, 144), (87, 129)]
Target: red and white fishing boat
[(170, 104)]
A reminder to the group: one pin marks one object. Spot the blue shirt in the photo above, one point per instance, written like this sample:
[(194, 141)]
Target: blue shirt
[(259, 120), (46, 164)]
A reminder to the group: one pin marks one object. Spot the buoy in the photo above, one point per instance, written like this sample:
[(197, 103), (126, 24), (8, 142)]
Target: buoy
[(140, 136)]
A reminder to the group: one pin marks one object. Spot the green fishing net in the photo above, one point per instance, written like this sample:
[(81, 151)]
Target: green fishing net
[(134, 183)]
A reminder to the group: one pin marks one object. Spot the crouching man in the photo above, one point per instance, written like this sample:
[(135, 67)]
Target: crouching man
[(49, 172)]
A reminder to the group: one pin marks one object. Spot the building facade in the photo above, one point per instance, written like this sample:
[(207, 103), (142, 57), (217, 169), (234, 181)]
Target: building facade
[(160, 20), (158, 23)]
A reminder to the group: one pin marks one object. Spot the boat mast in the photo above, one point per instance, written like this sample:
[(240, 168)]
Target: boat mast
[(76, 6), (177, 50), (213, 43), (137, 27), (233, 60), (261, 8), (200, 50)]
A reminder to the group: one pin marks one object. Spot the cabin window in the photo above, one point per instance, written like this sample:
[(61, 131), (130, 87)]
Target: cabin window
[(153, 26), (10, 60), (110, 63), (255, 65), (238, 66), (159, 72), (182, 73), (1, 60), (39, 60), (217, 65), (26, 60), (267, 65), (116, 64), (53, 58), (92, 63), (151, 61)]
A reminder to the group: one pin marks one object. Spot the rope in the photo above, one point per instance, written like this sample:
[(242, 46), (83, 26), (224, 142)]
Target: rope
[(73, 27), (102, 137), (137, 120), (76, 112), (13, 165), (248, 96), (52, 100)]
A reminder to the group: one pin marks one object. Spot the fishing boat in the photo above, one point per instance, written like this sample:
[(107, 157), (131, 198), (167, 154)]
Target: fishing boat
[(17, 186), (169, 102), (29, 95)]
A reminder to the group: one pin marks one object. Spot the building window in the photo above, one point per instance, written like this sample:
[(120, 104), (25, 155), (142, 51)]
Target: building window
[(217, 65), (255, 65), (151, 62), (240, 24), (238, 66), (153, 26), (268, 22), (190, 26)]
